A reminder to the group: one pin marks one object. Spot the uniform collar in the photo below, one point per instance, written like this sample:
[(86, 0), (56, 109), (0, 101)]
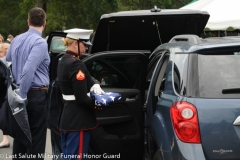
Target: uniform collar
[(72, 53)]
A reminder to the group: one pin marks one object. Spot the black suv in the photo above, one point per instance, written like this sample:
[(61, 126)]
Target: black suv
[(122, 59)]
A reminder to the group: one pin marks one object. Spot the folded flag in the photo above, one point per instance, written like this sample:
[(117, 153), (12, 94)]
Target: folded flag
[(102, 100)]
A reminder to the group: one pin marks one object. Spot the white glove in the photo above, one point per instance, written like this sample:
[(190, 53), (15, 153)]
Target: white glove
[(96, 89)]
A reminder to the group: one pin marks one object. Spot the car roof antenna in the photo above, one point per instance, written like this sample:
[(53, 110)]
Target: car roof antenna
[(155, 9)]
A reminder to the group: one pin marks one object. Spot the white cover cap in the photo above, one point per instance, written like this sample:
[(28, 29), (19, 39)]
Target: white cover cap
[(77, 33)]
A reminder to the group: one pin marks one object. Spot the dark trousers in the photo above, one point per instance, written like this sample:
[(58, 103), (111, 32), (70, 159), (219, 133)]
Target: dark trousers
[(75, 145), (37, 114)]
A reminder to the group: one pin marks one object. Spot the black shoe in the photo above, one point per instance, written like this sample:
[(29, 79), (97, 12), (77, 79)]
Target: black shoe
[(5, 145)]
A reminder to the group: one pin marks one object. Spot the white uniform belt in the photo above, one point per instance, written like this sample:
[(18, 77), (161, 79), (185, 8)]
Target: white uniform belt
[(69, 97)]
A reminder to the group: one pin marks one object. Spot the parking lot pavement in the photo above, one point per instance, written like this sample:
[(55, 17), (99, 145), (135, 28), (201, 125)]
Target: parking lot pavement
[(5, 153)]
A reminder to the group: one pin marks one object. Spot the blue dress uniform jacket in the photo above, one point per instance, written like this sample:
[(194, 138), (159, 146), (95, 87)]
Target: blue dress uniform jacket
[(75, 81)]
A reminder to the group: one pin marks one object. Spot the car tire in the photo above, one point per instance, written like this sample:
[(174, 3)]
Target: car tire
[(157, 155)]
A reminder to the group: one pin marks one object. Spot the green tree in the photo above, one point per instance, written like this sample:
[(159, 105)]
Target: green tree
[(8, 12), (83, 14), (65, 14), (14, 14), (148, 4)]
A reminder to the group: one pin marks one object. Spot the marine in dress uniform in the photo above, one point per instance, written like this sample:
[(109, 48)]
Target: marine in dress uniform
[(78, 116)]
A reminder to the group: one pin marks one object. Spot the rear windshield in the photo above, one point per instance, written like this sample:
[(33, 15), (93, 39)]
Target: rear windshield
[(219, 76)]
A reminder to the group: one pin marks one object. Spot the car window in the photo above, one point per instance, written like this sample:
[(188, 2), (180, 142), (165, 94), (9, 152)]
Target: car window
[(152, 63), (180, 73), (166, 86), (116, 72), (163, 82), (175, 76), (56, 44), (163, 76), (217, 74)]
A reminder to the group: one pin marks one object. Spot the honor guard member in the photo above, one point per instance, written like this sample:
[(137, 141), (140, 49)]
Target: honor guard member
[(78, 116)]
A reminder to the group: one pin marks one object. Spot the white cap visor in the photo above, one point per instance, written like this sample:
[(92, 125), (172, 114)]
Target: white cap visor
[(87, 43)]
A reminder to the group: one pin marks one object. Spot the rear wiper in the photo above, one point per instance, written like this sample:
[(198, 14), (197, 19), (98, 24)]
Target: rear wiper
[(231, 91)]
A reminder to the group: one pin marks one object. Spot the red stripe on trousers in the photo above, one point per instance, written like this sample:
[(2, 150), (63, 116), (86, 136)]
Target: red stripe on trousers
[(80, 145)]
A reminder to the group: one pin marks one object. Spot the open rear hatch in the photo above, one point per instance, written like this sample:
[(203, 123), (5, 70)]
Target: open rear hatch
[(145, 29)]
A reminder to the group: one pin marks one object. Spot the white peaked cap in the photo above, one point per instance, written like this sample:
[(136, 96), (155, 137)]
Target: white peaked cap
[(77, 33)]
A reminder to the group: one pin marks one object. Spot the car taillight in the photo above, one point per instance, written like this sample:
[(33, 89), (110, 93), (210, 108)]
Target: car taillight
[(185, 122)]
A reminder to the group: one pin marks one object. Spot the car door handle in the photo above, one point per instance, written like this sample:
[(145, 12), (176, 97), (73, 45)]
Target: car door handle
[(130, 99)]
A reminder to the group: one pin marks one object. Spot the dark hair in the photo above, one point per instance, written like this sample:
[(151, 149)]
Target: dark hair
[(36, 17)]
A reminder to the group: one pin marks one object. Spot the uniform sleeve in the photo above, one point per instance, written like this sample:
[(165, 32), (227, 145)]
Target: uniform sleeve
[(79, 81)]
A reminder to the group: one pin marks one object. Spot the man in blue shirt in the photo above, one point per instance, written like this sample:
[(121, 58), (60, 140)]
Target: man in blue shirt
[(28, 53)]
